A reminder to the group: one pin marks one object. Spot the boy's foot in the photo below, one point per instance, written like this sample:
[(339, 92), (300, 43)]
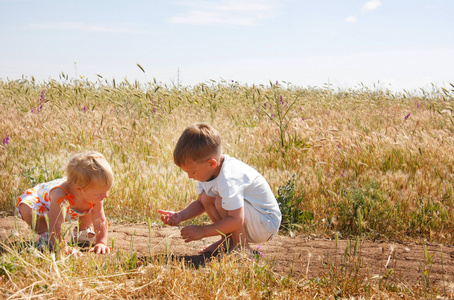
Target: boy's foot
[(219, 245)]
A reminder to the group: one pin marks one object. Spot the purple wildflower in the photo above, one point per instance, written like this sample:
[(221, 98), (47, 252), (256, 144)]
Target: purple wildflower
[(262, 254), (407, 116), (342, 174), (277, 82), (265, 105), (6, 140), (85, 109), (304, 119), (42, 95), (282, 102), (154, 110), (418, 105), (271, 117)]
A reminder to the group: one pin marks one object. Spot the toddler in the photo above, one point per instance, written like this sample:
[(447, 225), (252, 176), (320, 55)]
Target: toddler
[(78, 196), (236, 197)]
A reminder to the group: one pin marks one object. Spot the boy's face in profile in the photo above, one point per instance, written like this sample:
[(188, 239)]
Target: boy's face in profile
[(203, 171)]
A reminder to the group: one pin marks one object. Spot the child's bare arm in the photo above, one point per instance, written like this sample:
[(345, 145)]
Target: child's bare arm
[(232, 222), (191, 211), (56, 211), (101, 229)]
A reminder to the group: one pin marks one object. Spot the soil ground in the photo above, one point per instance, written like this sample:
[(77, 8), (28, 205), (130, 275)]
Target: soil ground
[(304, 257)]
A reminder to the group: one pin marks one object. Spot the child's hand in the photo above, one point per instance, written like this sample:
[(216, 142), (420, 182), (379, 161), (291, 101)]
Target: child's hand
[(100, 248), (170, 217), (192, 233)]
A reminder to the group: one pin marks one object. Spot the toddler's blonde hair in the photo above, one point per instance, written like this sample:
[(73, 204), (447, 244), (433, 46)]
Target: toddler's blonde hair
[(86, 167), (198, 142)]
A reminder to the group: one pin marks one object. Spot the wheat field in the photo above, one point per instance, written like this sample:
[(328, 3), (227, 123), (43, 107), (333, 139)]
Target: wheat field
[(364, 162)]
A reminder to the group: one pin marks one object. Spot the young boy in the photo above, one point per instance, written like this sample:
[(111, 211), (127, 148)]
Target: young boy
[(237, 198)]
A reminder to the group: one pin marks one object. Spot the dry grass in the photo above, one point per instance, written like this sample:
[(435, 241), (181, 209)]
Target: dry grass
[(370, 163)]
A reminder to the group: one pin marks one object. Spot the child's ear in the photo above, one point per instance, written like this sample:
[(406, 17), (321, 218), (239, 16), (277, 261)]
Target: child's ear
[(213, 162), (79, 189)]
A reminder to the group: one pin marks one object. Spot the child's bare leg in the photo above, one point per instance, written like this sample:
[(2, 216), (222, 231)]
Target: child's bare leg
[(238, 238), (235, 240), (85, 222), (223, 243), (209, 203), (27, 215)]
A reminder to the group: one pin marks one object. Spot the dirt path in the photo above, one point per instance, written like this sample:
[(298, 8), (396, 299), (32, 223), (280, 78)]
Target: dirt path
[(302, 256)]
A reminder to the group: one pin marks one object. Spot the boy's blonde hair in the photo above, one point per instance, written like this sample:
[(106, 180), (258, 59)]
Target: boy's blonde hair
[(88, 166), (198, 142)]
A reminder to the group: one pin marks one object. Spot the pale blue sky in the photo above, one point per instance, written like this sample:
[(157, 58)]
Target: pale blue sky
[(401, 44)]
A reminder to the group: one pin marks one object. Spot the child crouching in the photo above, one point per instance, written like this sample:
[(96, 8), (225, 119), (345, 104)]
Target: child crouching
[(236, 197), (78, 196)]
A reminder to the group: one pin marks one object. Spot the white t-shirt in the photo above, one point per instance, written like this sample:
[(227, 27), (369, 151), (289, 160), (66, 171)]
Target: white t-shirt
[(238, 182)]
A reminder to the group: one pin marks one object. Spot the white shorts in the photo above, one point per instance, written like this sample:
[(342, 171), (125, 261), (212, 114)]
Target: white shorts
[(259, 227)]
